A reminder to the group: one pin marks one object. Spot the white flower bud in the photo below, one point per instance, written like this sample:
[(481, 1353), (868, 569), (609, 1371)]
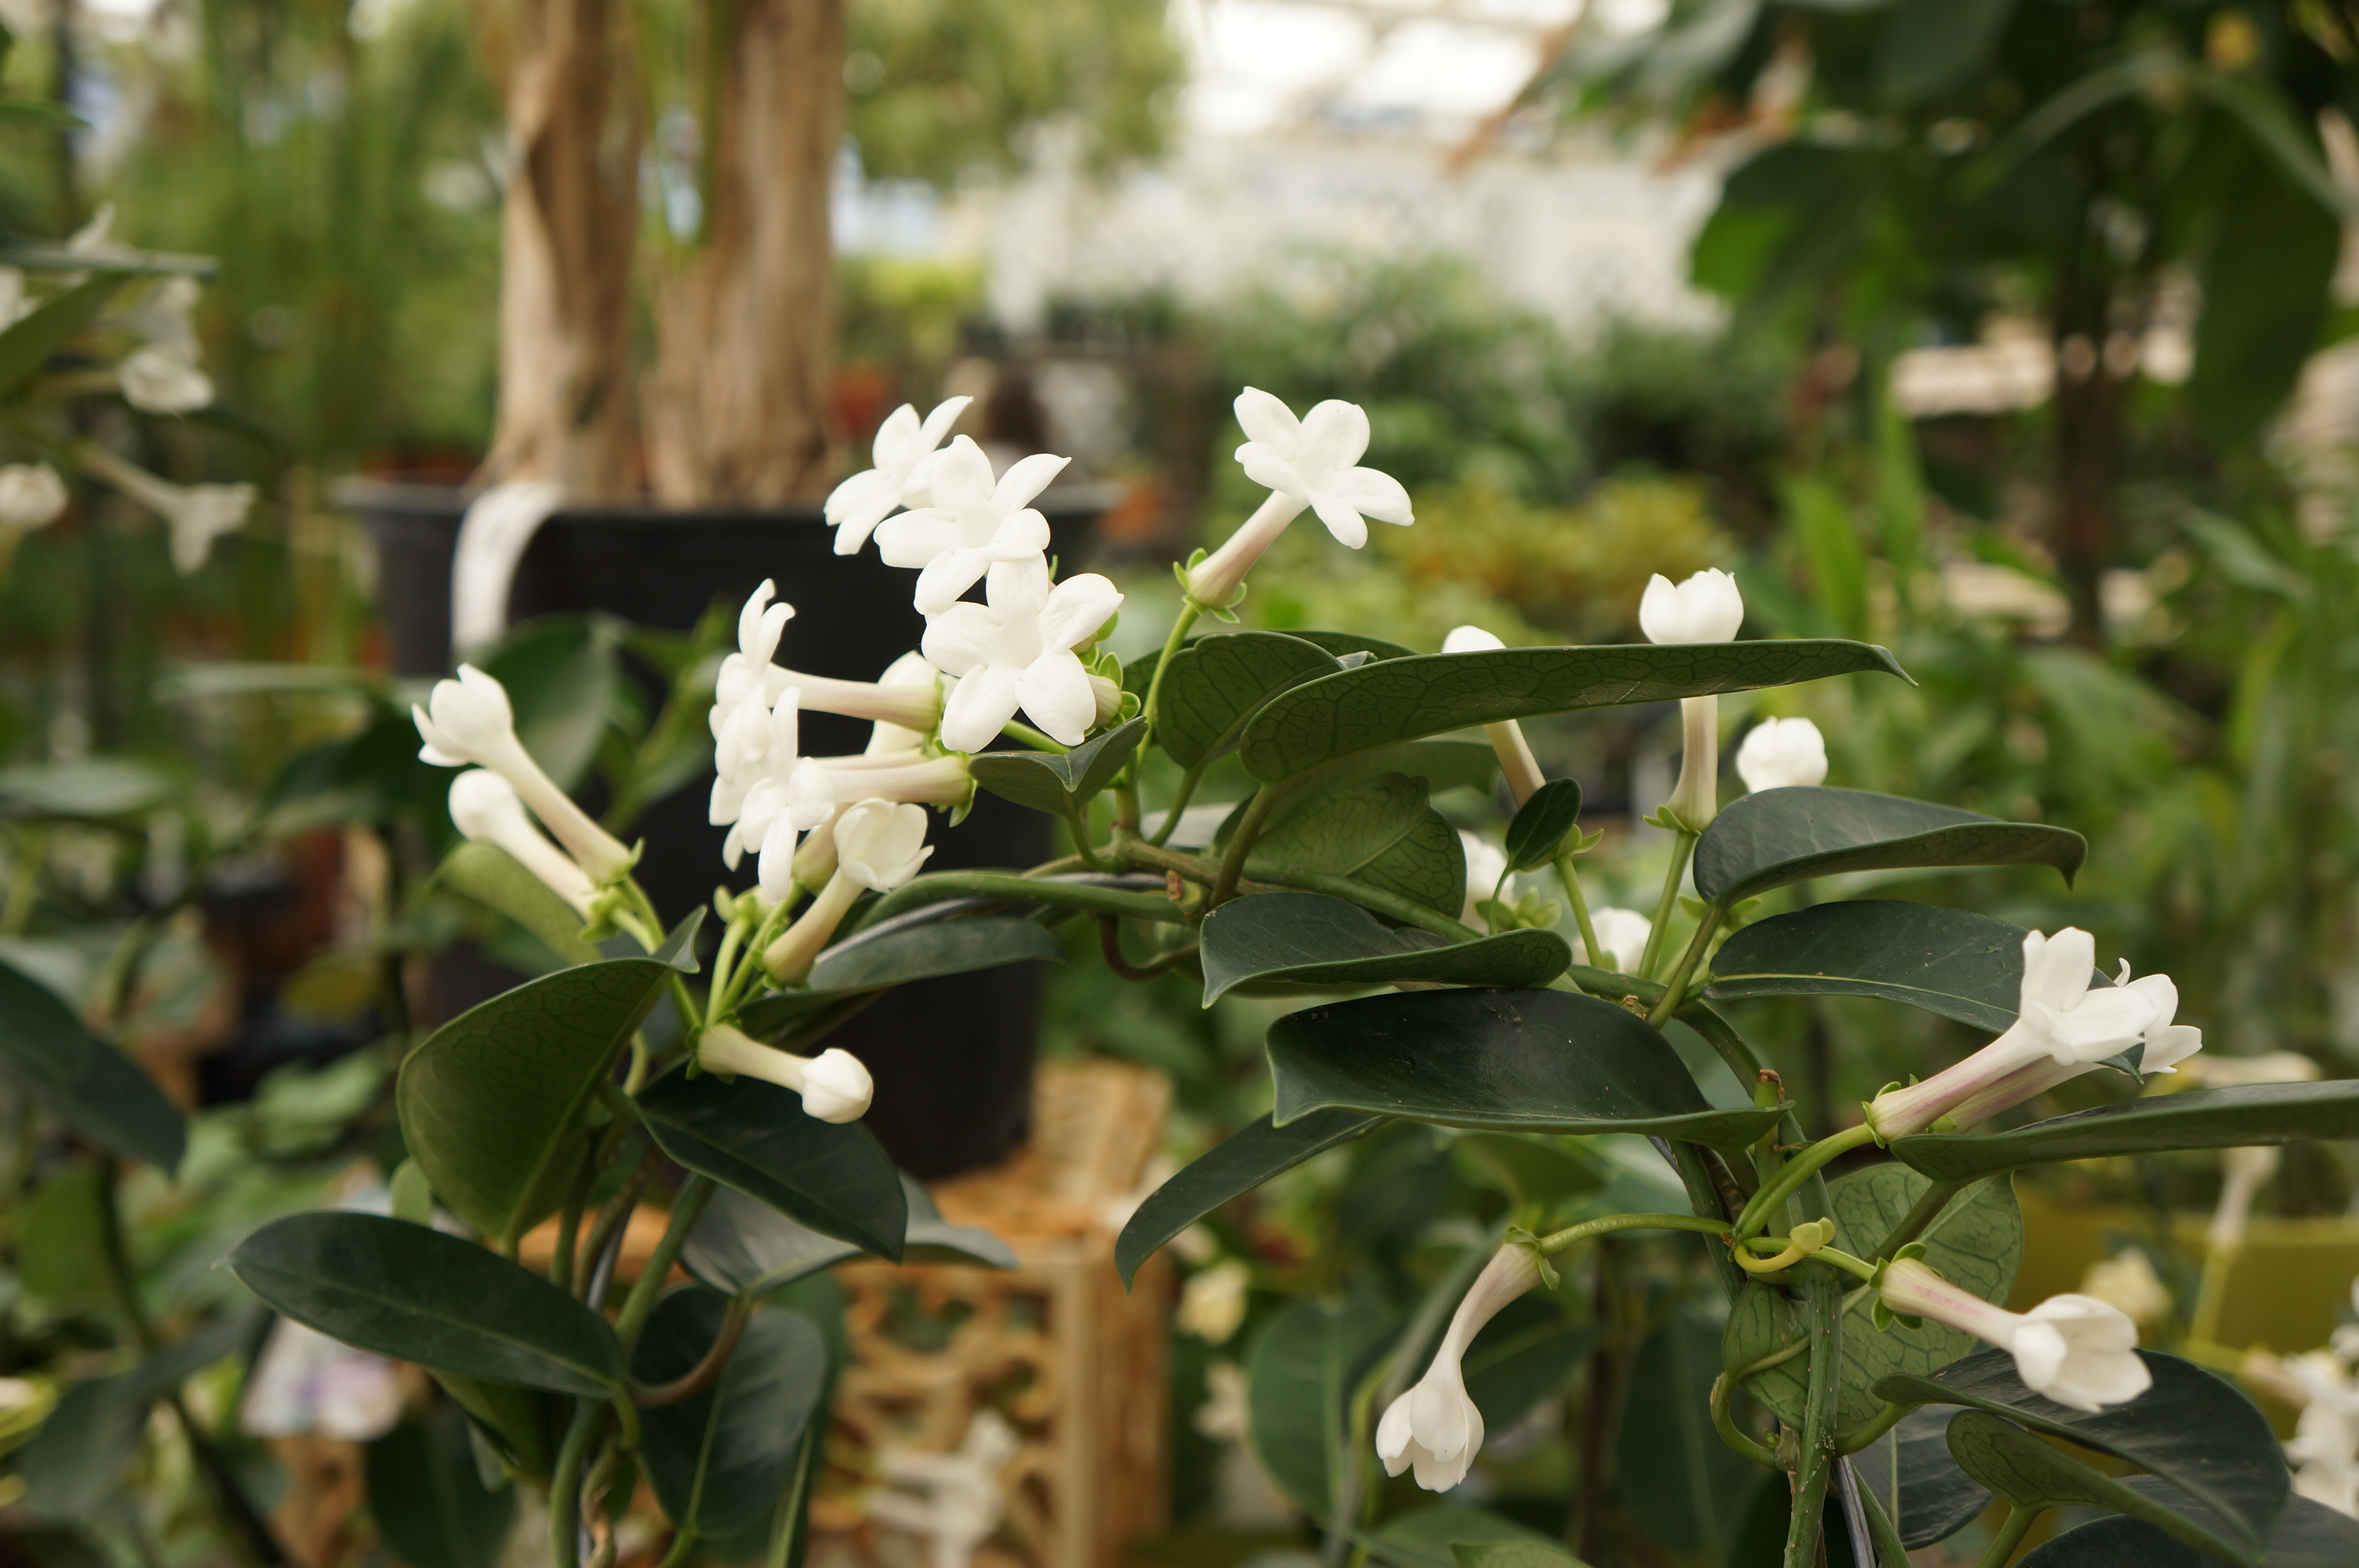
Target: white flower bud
[(880, 845), (834, 1085), (484, 807), (31, 495), (1782, 751), (159, 381), (468, 721)]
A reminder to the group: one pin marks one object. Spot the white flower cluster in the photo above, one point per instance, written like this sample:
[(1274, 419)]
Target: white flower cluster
[(2324, 1449)]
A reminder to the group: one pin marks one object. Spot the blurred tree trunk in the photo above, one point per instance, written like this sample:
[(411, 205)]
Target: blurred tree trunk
[(736, 406), (567, 232)]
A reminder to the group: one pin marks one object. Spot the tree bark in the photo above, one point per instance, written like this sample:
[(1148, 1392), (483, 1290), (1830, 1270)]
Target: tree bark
[(735, 404), (567, 229)]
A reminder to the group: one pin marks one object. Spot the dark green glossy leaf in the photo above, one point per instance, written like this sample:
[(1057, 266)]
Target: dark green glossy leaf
[(1310, 939), (1378, 831), (521, 1426), (1430, 694), (1342, 643), (909, 953), (2029, 1472), (413, 1293), (1937, 1499), (1298, 1382), (754, 1137), (562, 681), (73, 1465), (741, 1247), (718, 1459), (1432, 1537), (26, 345), (1784, 836), (1055, 783), (492, 1102), (1975, 1242), (1524, 1355), (1686, 1486), (85, 1082), (1237, 1165), (494, 879), (2191, 1429), (1928, 48), (1947, 961), (1541, 824), (1216, 682), (2308, 1535), (428, 1498), (1542, 1061), (2193, 1119)]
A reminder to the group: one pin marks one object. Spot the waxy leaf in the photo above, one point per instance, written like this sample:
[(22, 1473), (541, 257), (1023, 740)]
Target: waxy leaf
[(754, 1137), (1059, 783), (1433, 1538), (85, 1082), (492, 1102), (1783, 836), (1947, 961), (1242, 1162), (73, 1466), (1379, 831), (1937, 1499), (1687, 1487), (1342, 644), (2308, 1535), (2029, 1472), (1540, 1061), (413, 1293), (1430, 694), (718, 1459), (1216, 682), (2193, 1119), (428, 1498), (1310, 939), (742, 1248), (494, 879), (2191, 1429), (1541, 824), (940, 948), (1299, 1378)]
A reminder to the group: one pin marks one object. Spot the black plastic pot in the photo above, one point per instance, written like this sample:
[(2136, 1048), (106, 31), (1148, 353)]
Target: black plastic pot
[(952, 1057)]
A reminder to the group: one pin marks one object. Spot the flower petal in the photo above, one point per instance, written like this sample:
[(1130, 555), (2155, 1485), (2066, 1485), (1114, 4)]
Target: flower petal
[(1267, 420), (1054, 690), (946, 577), (963, 639), (1349, 528), (1334, 435), (1371, 492), (980, 707), (1267, 466), (918, 538), (899, 442), (938, 423), (1076, 607), (2056, 969), (2039, 1349), (1026, 479), (961, 476)]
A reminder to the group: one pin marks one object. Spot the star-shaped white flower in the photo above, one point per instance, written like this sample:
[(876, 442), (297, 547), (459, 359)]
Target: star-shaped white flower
[(972, 526), (1315, 459), (1016, 651), (902, 453)]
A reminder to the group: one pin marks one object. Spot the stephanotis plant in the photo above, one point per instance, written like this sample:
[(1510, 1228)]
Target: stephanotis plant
[(1854, 1297)]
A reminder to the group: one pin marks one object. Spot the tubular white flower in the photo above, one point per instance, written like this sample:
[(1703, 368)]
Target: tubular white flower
[(911, 777), (972, 525), (901, 454), (910, 670), (2128, 1281), (1623, 934), (881, 845), (194, 514), (1507, 738), (467, 722), (764, 790), (159, 381), (1782, 751), (484, 807), (31, 496), (835, 1085), (2077, 1350), (1704, 609), (1310, 462), (1434, 1426), (1019, 654), (2063, 1028)]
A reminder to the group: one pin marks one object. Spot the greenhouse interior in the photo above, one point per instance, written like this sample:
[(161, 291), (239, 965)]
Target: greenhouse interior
[(1178, 784)]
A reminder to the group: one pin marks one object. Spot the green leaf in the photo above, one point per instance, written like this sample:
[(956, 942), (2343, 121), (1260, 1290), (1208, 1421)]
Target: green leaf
[(413, 1293), (744, 1248), (1541, 824), (1947, 961), (492, 1102), (754, 1137), (1540, 1061), (1524, 1355), (1430, 694), (2308, 1535), (1784, 836), (1217, 683), (892, 957), (1342, 643), (1298, 1382), (2029, 1472), (1379, 831), (85, 1081), (1512, 1554), (1929, 47), (1937, 1499), (428, 1499), (2193, 1119), (1237, 1165), (1975, 1242), (1686, 1486), (497, 881), (1432, 1538), (1310, 939), (521, 1426), (2191, 1429), (1059, 783), (73, 1466), (561, 678), (718, 1459), (1529, 1167), (27, 346)]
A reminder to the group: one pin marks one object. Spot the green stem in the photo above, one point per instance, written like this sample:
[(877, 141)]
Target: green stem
[(568, 1225), (1014, 888), (565, 1484), (1026, 734), (1927, 1209), (1723, 1421), (2212, 1289), (1703, 1196), (708, 1367), (2020, 1517), (1241, 843), (1570, 878), (1686, 965), (1822, 1298), (617, 1212), (1797, 1171), (1681, 848), (1858, 1267), (1871, 1429), (1077, 824), (1188, 782), (1731, 1045), (683, 1548), (723, 983), (686, 1209), (1557, 1241), (1189, 611)]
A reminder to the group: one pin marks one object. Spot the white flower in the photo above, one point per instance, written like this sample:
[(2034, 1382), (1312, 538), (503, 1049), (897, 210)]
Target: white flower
[(1782, 751), (194, 514), (2128, 1281), (2243, 1173), (484, 807), (1306, 462), (2077, 1350), (1486, 864), (97, 238), (834, 1084), (1704, 609), (764, 790), (1623, 934), (909, 672), (1434, 1426), (1018, 653), (163, 317), (1212, 1302), (467, 722), (973, 524), (31, 495), (159, 381), (2063, 1028), (880, 845), (1516, 759), (902, 452)]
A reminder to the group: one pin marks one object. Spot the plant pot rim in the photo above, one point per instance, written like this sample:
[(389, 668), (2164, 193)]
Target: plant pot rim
[(425, 500)]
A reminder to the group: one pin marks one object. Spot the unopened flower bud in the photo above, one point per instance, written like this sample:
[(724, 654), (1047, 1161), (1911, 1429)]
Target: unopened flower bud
[(835, 1085)]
